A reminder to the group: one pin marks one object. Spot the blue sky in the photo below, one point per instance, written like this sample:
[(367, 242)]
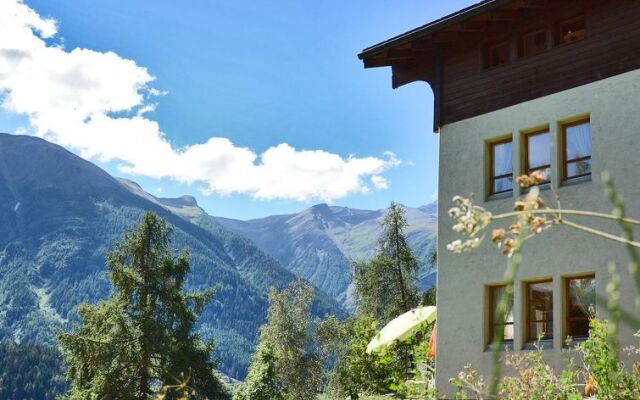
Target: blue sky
[(265, 73)]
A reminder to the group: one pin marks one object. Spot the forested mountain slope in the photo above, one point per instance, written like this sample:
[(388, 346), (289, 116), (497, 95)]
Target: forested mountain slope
[(58, 216), (320, 242)]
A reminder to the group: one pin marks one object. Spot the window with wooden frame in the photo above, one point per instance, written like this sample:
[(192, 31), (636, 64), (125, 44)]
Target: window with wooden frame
[(495, 326), (498, 54), (533, 43), (539, 310), (580, 303), (572, 30), (501, 166), (537, 153), (576, 145)]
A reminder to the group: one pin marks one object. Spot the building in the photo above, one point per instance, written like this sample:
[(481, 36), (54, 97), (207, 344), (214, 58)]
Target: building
[(519, 86)]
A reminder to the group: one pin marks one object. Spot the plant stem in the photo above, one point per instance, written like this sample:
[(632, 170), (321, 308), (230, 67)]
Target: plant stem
[(503, 306), (600, 233), (619, 212), (568, 212)]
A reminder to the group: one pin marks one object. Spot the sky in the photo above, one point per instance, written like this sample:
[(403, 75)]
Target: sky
[(254, 108)]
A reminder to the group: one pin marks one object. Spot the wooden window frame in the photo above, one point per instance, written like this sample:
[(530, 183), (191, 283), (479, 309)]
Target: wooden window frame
[(495, 45), (523, 52), (560, 39), (528, 320), (493, 178), (565, 160), (526, 153), (567, 306), (492, 311)]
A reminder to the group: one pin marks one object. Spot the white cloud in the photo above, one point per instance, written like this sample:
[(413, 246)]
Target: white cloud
[(96, 103)]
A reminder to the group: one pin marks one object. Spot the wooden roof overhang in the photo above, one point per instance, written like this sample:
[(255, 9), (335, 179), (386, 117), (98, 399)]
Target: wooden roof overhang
[(417, 55)]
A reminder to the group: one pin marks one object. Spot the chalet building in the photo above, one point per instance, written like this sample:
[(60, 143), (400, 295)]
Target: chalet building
[(522, 86)]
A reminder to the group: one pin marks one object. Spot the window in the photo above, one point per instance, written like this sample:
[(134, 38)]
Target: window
[(495, 295), (538, 153), (539, 310), (501, 166), (533, 43), (576, 141), (572, 30), (580, 305), (499, 54)]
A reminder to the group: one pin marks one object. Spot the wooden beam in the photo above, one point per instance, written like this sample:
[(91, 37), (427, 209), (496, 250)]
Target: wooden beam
[(376, 62)]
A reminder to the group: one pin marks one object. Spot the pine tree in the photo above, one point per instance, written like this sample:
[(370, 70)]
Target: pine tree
[(142, 338), (287, 334), (386, 286)]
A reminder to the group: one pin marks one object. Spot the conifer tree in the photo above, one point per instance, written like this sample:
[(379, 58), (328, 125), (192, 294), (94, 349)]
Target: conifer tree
[(141, 339), (386, 286)]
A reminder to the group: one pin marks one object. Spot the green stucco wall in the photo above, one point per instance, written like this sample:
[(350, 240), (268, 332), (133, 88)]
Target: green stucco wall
[(614, 108)]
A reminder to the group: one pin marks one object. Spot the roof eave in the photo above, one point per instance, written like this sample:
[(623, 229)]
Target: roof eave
[(437, 25)]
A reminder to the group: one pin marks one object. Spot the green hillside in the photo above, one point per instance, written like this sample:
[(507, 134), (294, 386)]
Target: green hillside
[(60, 213)]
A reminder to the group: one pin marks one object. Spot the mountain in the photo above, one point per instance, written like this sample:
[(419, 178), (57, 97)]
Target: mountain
[(320, 242), (60, 213)]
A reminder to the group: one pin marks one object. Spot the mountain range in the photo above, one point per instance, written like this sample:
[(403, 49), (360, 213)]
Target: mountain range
[(321, 242), (59, 214)]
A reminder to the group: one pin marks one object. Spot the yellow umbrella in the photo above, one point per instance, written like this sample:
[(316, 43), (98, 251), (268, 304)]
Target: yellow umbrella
[(402, 327)]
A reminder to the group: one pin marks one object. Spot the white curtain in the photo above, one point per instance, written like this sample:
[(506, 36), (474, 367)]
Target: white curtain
[(539, 150), (503, 159), (579, 141)]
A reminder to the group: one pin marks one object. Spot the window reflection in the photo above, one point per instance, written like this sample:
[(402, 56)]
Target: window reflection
[(577, 149), (539, 154), (539, 311), (502, 167), (495, 296), (581, 302)]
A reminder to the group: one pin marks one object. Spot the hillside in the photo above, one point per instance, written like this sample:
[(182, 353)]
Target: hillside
[(319, 243), (58, 216)]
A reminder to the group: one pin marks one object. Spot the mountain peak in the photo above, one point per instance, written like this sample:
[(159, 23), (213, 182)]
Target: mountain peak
[(321, 208)]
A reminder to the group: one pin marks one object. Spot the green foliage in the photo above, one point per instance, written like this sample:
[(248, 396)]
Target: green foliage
[(603, 367), (262, 380), (285, 341), (535, 380), (30, 372), (357, 373), (141, 338), (386, 285), (601, 370)]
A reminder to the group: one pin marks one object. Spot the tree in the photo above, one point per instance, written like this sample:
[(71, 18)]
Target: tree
[(386, 286), (287, 334), (141, 338), (356, 373), (262, 382)]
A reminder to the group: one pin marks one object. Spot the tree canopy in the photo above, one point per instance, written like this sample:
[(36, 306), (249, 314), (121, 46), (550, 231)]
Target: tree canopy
[(141, 339)]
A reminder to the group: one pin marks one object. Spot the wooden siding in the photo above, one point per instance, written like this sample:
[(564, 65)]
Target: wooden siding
[(612, 46)]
